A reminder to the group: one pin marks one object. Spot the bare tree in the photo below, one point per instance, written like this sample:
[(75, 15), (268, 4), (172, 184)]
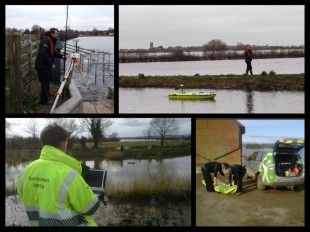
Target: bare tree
[(69, 124), (35, 29), (147, 134), (178, 54), (32, 128), (96, 127), (215, 47), (163, 127), (113, 136)]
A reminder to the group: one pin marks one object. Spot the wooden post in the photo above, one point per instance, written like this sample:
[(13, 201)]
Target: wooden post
[(8, 105), (14, 42)]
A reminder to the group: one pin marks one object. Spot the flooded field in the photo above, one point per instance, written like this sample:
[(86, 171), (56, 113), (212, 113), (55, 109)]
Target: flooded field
[(214, 67), (155, 100)]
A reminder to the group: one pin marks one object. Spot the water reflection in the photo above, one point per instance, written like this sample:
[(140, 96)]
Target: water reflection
[(249, 101), (118, 170)]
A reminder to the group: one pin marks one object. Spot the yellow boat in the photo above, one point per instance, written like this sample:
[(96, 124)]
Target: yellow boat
[(193, 95)]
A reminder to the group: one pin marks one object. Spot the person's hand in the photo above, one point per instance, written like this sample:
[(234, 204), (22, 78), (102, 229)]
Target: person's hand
[(53, 66), (101, 197)]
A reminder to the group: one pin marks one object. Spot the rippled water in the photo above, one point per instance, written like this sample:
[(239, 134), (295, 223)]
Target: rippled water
[(153, 100), (280, 66)]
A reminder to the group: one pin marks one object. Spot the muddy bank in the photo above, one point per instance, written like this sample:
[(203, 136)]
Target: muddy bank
[(115, 214), (288, 82)]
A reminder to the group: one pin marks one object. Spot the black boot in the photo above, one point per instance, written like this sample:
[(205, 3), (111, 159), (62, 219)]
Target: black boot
[(251, 72)]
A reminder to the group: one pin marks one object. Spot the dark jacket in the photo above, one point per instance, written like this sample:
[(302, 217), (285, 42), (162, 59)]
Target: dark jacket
[(248, 55), (213, 167), (47, 52), (237, 171)]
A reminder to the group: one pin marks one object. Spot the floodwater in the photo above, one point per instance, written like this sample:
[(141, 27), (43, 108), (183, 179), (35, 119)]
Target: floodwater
[(118, 171), (96, 79), (214, 67), (117, 214), (155, 100), (114, 214), (124, 171)]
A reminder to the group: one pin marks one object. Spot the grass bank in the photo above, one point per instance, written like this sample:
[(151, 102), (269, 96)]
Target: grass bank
[(136, 153), (289, 82), (134, 150)]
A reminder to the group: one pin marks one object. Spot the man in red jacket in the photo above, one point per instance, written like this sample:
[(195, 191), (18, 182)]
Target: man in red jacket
[(248, 58), (45, 62)]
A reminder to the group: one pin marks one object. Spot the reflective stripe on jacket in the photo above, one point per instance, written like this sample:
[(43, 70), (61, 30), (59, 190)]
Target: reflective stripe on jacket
[(54, 192)]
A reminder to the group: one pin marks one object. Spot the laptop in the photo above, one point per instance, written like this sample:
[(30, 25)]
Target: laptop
[(96, 179)]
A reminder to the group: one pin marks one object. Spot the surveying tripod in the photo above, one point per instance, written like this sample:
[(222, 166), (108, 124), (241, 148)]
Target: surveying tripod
[(73, 60)]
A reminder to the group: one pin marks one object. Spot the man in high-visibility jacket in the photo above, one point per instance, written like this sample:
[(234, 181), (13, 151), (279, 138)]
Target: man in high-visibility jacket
[(52, 188)]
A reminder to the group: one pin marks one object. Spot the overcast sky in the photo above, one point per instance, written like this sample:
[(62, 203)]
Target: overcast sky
[(84, 17), (269, 131), (125, 127), (196, 25)]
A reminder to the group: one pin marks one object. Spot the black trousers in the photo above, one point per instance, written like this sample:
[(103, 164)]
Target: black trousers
[(248, 67), (208, 179), (45, 76), (238, 179)]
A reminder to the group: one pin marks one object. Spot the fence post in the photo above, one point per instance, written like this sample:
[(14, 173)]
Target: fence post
[(8, 105), (30, 56), (14, 78)]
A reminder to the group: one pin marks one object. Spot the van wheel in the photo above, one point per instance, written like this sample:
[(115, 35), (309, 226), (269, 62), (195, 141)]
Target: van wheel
[(260, 184)]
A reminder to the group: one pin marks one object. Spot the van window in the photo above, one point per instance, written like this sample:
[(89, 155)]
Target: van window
[(259, 156)]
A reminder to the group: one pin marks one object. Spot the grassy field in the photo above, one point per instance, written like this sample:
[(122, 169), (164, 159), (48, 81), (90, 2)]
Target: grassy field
[(289, 82), (137, 144), (111, 150)]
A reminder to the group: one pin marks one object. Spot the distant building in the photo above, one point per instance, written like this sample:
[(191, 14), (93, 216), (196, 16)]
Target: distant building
[(218, 140), (151, 45)]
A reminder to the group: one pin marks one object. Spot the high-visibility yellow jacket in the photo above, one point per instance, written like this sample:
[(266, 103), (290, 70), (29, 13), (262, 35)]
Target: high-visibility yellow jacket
[(54, 192)]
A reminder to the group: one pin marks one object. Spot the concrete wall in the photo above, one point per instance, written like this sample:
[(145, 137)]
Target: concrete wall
[(73, 105), (219, 140)]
